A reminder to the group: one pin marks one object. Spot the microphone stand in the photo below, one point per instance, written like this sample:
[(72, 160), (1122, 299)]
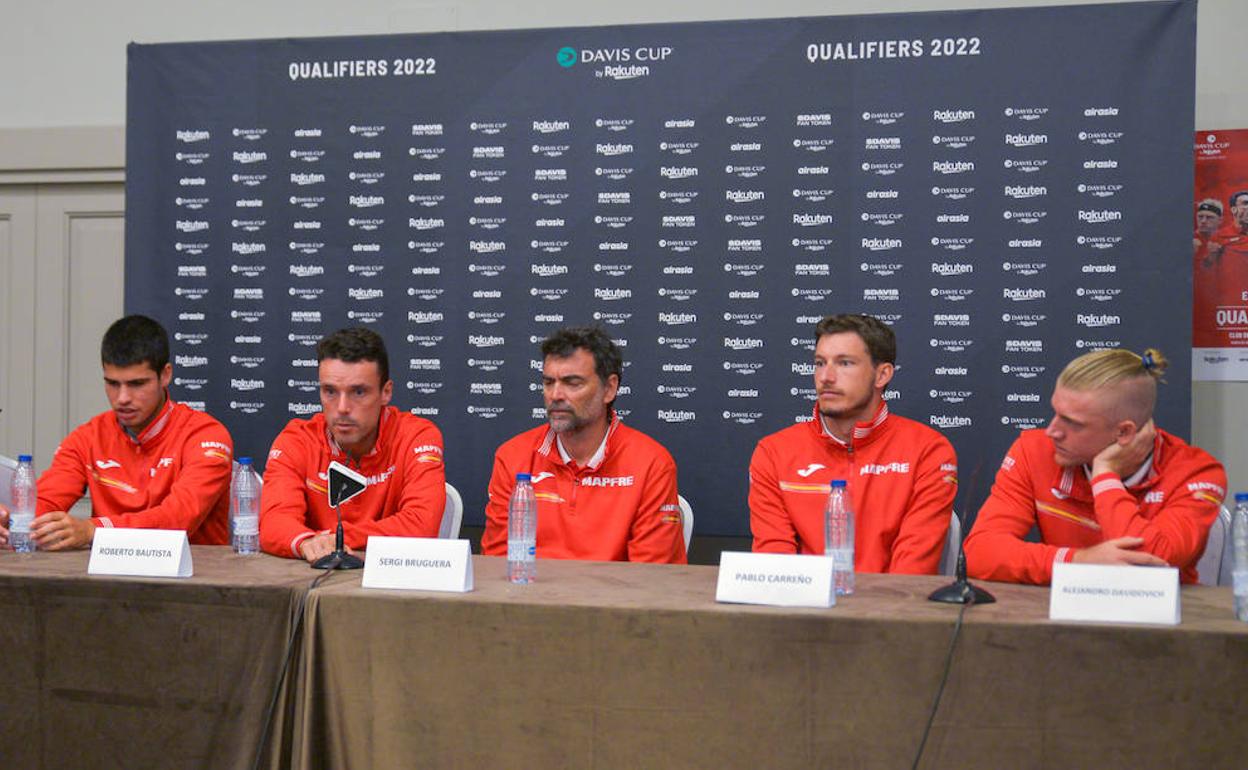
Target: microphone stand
[(339, 559), (961, 591)]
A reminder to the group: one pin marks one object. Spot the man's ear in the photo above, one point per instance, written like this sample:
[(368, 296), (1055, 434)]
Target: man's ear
[(612, 387), (1125, 431), (884, 375)]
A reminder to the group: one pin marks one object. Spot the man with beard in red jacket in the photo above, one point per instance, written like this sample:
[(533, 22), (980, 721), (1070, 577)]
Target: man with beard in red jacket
[(901, 474)]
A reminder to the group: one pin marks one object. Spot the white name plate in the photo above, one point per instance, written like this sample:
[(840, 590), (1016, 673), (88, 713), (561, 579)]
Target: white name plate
[(778, 579), (1106, 593), (418, 563), (142, 552)]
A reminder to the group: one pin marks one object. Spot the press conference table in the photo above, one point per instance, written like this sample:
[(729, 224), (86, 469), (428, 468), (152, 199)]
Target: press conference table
[(112, 672), (596, 665)]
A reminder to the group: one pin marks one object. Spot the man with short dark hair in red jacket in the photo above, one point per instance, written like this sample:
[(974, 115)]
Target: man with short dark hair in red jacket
[(399, 454), (901, 474), (149, 462)]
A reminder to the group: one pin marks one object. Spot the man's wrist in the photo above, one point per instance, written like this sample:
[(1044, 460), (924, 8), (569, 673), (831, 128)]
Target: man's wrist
[(1105, 481)]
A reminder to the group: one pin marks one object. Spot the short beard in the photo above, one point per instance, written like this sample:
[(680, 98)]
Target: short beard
[(836, 414), (566, 424)]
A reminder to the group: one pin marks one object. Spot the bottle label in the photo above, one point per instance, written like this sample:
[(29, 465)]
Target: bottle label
[(20, 522), (1240, 582), (843, 559), (246, 525), (518, 550)]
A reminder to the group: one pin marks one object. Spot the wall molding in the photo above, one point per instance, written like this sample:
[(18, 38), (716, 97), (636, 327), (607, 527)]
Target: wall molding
[(62, 154)]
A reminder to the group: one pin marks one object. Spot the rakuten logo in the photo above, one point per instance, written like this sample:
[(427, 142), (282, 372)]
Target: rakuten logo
[(678, 319), (676, 415), (1023, 295), (1099, 216), (1097, 320), (1026, 140), (742, 343)]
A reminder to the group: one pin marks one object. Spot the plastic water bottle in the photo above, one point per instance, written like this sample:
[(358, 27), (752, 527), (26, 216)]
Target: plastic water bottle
[(838, 534), (22, 493), (1239, 555), (522, 532), (245, 509)]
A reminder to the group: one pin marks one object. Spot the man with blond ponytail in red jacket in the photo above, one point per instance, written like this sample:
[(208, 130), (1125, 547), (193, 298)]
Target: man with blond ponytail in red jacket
[(1101, 482)]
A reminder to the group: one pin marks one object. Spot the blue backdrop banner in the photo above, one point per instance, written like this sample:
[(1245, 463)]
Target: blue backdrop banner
[(1008, 188)]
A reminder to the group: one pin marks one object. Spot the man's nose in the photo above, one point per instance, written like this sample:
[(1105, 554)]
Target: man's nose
[(1051, 429)]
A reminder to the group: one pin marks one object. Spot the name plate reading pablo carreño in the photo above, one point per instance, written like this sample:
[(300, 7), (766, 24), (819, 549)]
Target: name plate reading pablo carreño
[(778, 579), (140, 552), (1104, 593), (418, 563)]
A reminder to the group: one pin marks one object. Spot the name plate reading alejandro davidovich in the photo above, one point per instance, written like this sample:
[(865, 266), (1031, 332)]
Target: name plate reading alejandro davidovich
[(142, 552), (1106, 593), (779, 579), (418, 563)]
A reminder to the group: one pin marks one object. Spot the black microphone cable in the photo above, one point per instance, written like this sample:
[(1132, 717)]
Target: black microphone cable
[(944, 677), (281, 676)]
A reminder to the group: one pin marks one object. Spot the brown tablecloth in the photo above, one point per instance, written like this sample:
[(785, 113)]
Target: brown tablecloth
[(595, 665), (625, 665), (111, 672)]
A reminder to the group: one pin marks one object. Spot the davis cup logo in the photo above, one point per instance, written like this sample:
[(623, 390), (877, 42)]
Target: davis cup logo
[(566, 56)]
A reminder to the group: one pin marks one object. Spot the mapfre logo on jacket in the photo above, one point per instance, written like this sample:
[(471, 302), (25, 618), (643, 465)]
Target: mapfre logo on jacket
[(607, 481), (879, 469)]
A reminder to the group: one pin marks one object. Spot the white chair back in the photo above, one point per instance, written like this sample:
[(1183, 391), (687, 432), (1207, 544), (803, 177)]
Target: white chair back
[(7, 466), (1215, 565), (949, 559), (452, 514), (686, 519)]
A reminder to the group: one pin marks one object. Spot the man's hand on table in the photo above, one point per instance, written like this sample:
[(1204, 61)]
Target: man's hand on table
[(320, 545), (1120, 550), (60, 531)]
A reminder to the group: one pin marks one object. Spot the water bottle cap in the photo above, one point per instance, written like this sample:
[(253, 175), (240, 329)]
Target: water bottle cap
[(25, 459), (523, 477), (1241, 497), (244, 461), (838, 483)]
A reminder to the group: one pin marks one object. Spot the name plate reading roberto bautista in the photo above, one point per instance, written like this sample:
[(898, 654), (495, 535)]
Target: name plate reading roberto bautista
[(418, 563), (142, 552), (778, 579), (1115, 594)]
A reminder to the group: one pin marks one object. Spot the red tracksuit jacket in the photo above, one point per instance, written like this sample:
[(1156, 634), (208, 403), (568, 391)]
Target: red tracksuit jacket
[(902, 477), (621, 506), (174, 475), (1172, 508), (406, 490)]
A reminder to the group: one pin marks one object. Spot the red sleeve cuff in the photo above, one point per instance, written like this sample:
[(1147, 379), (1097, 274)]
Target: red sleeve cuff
[(1106, 482), (294, 544)]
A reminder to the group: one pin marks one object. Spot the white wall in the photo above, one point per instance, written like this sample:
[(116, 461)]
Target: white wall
[(63, 68)]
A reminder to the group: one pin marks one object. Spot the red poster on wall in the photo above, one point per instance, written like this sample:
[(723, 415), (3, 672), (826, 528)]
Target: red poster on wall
[(1220, 257)]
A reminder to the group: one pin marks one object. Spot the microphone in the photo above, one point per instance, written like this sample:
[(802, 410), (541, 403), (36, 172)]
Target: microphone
[(344, 484), (961, 591)]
